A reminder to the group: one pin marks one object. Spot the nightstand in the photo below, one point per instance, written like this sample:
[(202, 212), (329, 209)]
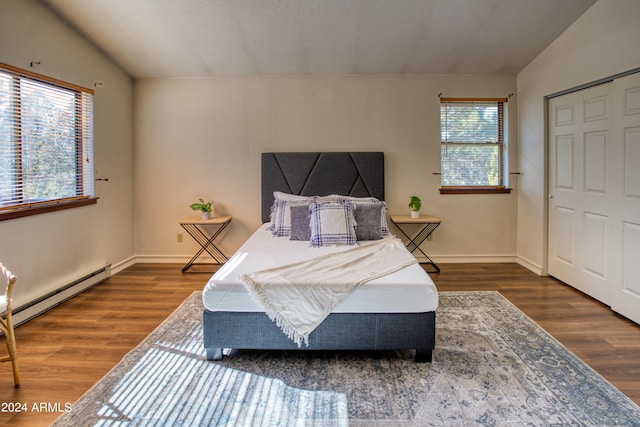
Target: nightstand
[(195, 226), (427, 224)]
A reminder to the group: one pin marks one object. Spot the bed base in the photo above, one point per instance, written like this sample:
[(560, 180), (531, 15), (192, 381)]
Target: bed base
[(339, 331)]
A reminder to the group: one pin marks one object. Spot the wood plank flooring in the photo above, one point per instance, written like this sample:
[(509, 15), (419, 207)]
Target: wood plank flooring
[(66, 350)]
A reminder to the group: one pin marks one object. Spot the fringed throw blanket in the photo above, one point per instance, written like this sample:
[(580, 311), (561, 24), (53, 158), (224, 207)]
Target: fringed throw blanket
[(298, 297)]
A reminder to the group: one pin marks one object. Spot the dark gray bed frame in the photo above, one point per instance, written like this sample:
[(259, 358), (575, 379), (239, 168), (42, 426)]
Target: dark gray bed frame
[(359, 174)]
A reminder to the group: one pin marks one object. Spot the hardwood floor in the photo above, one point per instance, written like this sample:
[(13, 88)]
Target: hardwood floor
[(66, 350)]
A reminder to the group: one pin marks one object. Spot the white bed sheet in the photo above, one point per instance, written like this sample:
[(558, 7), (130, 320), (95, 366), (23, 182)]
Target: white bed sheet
[(409, 290)]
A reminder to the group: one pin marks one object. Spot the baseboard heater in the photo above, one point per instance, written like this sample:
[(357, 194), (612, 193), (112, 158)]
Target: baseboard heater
[(54, 298)]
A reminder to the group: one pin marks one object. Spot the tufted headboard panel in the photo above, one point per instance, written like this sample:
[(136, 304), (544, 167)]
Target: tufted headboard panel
[(358, 174)]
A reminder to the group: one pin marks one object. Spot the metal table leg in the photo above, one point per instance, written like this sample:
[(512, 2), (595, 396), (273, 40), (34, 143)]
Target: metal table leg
[(205, 241)]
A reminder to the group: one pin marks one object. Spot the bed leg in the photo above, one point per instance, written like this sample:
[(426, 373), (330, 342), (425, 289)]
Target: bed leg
[(423, 355), (214, 353)]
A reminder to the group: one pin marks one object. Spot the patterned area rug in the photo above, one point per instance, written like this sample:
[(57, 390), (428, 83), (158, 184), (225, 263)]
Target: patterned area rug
[(492, 366), (166, 381)]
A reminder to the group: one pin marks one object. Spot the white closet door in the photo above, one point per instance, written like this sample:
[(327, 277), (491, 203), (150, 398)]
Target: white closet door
[(626, 295), (582, 191)]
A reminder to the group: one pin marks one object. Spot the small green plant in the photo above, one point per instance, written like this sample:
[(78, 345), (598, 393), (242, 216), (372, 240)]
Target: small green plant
[(415, 203), (202, 206)]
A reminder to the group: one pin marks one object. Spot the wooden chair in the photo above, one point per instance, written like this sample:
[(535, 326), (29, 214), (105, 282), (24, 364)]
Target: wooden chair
[(6, 324)]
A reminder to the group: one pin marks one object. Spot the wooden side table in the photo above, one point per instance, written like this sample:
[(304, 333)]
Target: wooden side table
[(195, 227), (428, 225)]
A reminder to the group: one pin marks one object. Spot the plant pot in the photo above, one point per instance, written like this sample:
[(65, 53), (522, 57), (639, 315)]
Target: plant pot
[(415, 214), (206, 215)]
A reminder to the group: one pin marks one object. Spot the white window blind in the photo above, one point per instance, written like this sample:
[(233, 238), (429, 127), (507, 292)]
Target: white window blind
[(46, 140), (472, 142)]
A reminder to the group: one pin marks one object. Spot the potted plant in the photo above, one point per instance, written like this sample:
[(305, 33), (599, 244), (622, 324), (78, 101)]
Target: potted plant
[(415, 204), (205, 207)]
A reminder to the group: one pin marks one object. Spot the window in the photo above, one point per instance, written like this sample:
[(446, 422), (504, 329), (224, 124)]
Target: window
[(473, 148), (46, 144)]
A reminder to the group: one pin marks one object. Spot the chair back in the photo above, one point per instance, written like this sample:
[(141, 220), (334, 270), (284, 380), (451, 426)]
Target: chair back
[(6, 324), (5, 306)]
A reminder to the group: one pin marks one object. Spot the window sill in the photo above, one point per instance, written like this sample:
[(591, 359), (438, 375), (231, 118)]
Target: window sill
[(44, 208), (474, 190)]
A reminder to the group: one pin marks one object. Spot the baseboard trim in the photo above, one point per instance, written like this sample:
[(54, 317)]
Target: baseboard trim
[(118, 267), (470, 259), (170, 259), (56, 297), (530, 265)]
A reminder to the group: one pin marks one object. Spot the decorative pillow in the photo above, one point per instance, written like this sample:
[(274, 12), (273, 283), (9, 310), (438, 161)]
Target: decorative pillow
[(281, 217), (353, 199), (327, 199), (300, 228), (332, 224), (281, 212), (365, 201), (384, 227), (278, 212), (368, 221)]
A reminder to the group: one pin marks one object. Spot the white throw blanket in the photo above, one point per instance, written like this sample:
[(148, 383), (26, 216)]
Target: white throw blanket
[(298, 297)]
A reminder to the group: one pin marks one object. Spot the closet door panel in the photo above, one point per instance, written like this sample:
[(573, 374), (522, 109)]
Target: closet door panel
[(581, 190), (626, 297)]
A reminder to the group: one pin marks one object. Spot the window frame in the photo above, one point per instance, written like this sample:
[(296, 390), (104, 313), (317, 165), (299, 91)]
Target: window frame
[(501, 143), (83, 172)]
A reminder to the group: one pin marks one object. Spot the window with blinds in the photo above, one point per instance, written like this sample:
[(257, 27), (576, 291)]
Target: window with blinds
[(46, 141), (472, 144)]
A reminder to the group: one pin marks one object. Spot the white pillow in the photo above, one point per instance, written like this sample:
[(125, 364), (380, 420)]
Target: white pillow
[(279, 195)]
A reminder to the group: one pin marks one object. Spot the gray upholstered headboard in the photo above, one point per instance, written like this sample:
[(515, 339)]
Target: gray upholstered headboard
[(358, 174)]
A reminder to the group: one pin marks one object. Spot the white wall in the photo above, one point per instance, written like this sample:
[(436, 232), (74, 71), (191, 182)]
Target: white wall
[(603, 42), (49, 250), (203, 138)]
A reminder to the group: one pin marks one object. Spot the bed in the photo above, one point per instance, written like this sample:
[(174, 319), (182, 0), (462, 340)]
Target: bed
[(392, 312)]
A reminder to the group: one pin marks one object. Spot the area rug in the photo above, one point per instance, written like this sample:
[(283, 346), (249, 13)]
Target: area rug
[(166, 381), (492, 366)]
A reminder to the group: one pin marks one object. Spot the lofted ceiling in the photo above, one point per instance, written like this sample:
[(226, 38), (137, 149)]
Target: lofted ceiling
[(195, 38)]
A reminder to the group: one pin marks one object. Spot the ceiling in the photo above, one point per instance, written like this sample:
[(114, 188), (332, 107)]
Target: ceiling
[(195, 38)]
